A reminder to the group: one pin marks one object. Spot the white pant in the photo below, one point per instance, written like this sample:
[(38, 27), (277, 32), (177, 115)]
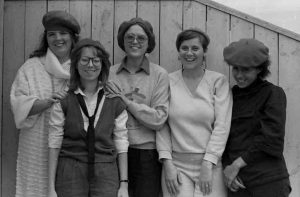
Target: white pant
[(189, 166)]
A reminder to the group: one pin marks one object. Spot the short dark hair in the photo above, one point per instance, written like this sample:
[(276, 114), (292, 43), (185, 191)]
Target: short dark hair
[(75, 82), (43, 45), (264, 69), (191, 34)]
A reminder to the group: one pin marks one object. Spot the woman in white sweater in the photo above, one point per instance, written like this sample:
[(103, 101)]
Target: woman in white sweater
[(191, 144)]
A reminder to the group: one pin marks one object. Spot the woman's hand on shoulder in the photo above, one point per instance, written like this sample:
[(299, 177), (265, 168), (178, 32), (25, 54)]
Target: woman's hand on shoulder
[(205, 179), (172, 177), (113, 90), (59, 95)]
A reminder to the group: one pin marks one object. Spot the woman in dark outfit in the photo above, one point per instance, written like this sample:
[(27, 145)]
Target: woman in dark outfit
[(253, 160)]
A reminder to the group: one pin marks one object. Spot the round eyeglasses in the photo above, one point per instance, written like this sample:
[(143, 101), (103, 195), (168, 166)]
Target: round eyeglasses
[(84, 61), (132, 37)]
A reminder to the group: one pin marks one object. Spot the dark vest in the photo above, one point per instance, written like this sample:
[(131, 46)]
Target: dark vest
[(74, 142)]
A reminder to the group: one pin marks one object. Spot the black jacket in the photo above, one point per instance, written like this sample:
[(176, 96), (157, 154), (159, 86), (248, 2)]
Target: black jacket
[(257, 133)]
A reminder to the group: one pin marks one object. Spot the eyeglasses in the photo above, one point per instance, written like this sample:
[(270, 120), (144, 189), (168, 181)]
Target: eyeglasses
[(84, 61), (132, 37)]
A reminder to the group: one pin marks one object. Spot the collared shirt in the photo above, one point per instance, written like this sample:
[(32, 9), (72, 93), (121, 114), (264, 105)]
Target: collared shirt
[(143, 67), (57, 119)]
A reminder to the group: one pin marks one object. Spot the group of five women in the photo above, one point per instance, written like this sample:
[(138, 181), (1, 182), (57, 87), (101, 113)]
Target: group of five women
[(91, 129)]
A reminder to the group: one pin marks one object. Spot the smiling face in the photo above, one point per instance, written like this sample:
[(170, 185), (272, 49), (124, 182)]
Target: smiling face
[(244, 76), (191, 53), (60, 43), (89, 65), (135, 42)]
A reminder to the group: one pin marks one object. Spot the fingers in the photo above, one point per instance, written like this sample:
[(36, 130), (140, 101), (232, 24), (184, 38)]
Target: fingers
[(59, 95), (205, 188), (173, 187)]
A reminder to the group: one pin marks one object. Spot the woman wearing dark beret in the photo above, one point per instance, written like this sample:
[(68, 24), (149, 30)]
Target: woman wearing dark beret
[(144, 88), (40, 82), (191, 144), (253, 160), (88, 138)]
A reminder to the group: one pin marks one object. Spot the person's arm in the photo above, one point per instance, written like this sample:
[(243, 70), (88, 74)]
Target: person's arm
[(152, 116), (56, 123), (223, 109), (120, 137), (270, 137), (215, 147)]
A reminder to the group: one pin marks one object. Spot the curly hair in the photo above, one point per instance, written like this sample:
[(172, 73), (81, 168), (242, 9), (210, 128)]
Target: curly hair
[(264, 69)]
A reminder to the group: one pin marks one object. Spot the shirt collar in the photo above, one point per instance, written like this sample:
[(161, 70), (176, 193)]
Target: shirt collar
[(143, 67), (79, 91)]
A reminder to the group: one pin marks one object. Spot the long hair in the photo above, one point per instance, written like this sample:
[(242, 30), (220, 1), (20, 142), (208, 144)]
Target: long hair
[(75, 81), (43, 45)]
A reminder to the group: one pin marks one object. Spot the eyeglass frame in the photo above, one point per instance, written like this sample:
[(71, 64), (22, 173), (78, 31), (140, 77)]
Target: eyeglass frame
[(138, 37), (90, 59)]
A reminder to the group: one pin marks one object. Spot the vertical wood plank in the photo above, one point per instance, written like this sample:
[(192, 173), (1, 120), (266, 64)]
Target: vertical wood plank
[(13, 56), (149, 10), (58, 5), (81, 10), (171, 25), (239, 29), (124, 10), (194, 15), (289, 77), (1, 74), (102, 24), (270, 39), (33, 29), (218, 31)]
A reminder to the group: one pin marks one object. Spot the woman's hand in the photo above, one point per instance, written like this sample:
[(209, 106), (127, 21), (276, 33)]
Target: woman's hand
[(206, 176), (123, 190), (172, 177), (236, 185), (231, 171), (59, 95), (113, 90)]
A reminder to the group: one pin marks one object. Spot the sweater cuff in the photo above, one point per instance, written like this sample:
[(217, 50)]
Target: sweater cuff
[(212, 158), (164, 155)]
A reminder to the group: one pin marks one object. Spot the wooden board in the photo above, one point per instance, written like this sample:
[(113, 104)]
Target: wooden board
[(81, 10), (289, 77), (14, 26), (34, 28), (218, 31), (170, 26), (1, 74), (124, 11), (58, 5), (270, 39), (239, 28), (194, 15), (149, 10), (103, 24)]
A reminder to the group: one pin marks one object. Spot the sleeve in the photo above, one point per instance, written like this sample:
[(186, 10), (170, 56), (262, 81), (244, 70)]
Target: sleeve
[(22, 101), (155, 115), (56, 126), (164, 143), (221, 127), (120, 134), (270, 138)]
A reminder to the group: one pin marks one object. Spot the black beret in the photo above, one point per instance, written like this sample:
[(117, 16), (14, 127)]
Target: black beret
[(246, 52), (185, 34), (59, 19), (86, 42), (142, 23)]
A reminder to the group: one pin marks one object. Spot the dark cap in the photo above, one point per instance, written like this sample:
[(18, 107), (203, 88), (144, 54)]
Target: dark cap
[(142, 23), (60, 20), (186, 35), (86, 42), (246, 53)]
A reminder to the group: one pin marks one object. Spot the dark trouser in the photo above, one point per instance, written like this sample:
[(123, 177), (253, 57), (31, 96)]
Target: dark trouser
[(144, 171), (279, 188), (72, 179)]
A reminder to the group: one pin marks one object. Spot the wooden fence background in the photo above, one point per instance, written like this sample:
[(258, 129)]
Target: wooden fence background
[(20, 27)]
